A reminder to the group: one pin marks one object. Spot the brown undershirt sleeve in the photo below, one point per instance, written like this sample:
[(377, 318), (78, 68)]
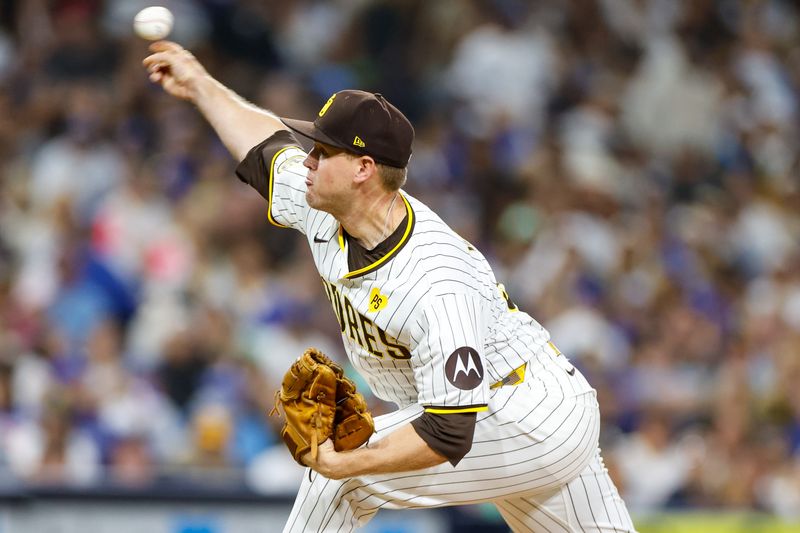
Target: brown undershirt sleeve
[(448, 435)]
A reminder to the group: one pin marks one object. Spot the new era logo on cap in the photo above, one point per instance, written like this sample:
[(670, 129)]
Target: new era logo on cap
[(363, 123)]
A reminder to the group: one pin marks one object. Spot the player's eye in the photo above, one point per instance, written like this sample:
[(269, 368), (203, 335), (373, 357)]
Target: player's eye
[(320, 151)]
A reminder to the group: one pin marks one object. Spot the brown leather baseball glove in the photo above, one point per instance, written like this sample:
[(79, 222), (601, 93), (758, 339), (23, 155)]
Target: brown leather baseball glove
[(320, 402)]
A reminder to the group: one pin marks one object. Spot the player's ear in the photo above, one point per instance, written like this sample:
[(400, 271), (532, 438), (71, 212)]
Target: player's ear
[(366, 168)]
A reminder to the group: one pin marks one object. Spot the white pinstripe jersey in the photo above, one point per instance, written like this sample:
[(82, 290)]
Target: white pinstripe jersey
[(427, 323)]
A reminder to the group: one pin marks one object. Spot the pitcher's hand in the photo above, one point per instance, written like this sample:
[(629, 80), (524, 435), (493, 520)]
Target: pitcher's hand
[(176, 69)]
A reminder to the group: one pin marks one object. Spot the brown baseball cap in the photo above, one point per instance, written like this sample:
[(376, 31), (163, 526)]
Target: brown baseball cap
[(363, 123)]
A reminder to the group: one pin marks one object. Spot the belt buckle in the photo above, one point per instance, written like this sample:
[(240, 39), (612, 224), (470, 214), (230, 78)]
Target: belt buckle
[(513, 379)]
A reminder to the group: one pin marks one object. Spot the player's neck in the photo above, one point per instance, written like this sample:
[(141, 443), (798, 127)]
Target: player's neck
[(374, 220)]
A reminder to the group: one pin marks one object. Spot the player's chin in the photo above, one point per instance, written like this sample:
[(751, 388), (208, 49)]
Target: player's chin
[(311, 198), (314, 201)]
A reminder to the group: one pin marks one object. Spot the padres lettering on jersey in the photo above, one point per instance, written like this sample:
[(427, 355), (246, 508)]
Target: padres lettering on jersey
[(427, 323), (360, 328)]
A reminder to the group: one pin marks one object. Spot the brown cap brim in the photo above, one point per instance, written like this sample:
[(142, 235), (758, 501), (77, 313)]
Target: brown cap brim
[(310, 130)]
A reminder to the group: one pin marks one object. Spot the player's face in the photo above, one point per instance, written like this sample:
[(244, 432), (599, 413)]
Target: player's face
[(329, 178)]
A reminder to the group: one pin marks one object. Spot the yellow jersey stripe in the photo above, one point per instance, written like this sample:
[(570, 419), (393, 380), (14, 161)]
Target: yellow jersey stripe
[(271, 178), (436, 411), (379, 262)]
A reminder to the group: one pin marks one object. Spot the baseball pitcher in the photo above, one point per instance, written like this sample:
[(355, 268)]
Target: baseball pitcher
[(488, 409)]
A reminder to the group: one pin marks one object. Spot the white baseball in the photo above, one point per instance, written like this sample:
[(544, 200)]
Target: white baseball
[(153, 23)]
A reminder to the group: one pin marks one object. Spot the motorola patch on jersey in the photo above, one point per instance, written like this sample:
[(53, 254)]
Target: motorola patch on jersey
[(464, 368)]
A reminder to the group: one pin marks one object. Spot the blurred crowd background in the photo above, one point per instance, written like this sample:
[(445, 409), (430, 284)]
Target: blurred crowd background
[(630, 168)]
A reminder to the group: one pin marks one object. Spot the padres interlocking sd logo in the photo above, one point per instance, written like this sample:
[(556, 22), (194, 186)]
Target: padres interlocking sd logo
[(464, 368)]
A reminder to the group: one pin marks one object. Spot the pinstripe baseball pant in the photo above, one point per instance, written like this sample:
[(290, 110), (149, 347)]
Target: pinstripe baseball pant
[(534, 455)]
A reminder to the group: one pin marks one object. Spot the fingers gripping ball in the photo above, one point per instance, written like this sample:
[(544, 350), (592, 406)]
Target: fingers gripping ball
[(153, 23), (319, 402)]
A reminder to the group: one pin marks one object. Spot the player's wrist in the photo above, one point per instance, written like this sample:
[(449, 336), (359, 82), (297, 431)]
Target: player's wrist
[(203, 88), (335, 465), (339, 465), (347, 464)]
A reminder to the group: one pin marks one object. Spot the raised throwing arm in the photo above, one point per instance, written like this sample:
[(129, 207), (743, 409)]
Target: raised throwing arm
[(240, 124)]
